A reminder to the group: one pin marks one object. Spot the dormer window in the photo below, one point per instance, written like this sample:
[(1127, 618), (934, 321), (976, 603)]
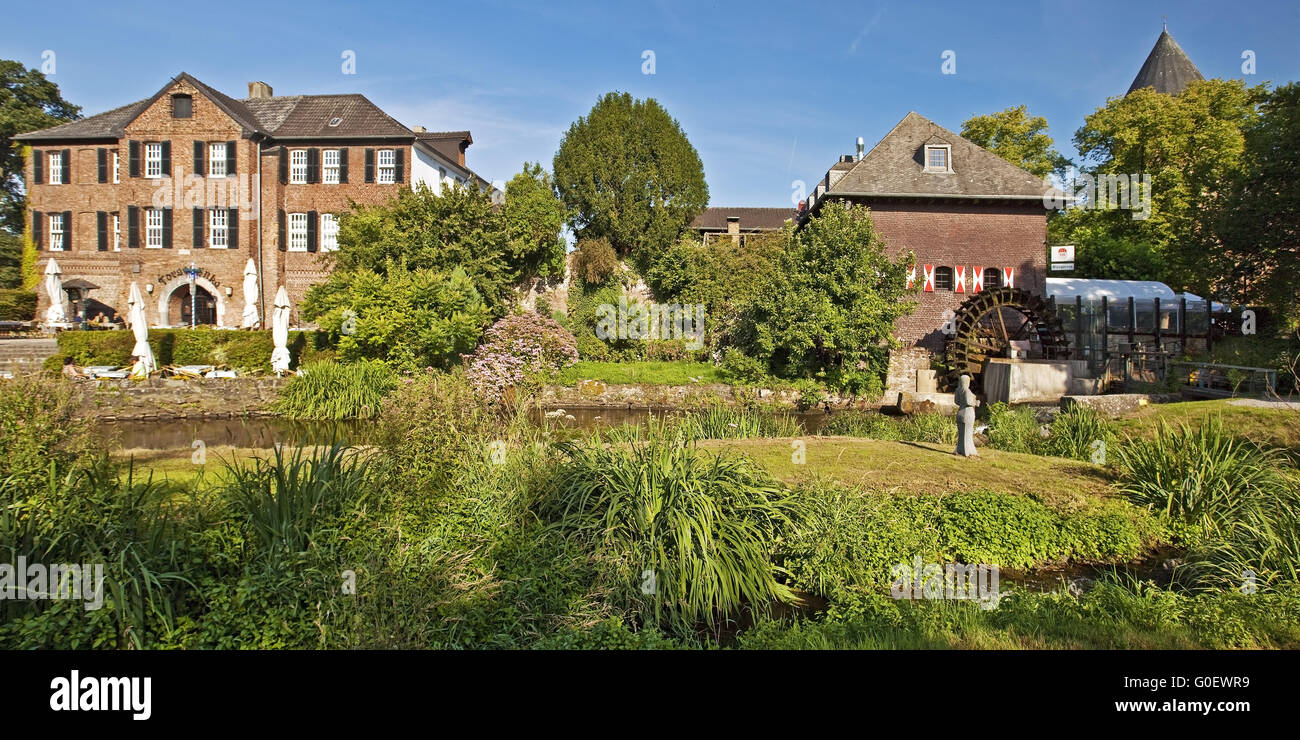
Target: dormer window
[(182, 106), (938, 158)]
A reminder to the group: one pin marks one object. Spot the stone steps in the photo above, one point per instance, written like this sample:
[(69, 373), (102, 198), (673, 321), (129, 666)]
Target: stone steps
[(25, 356)]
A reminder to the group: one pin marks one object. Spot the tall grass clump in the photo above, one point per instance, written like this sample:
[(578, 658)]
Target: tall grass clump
[(725, 422), (1013, 429), (1239, 501), (926, 427), (681, 537), (331, 390), (1075, 432)]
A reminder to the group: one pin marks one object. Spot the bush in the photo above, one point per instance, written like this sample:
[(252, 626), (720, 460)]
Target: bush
[(595, 262), (17, 304), (517, 350), (242, 350), (329, 390), (743, 367), (40, 424), (1075, 432)]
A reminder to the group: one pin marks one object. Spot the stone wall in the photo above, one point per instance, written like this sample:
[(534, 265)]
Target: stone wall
[(597, 394), (159, 398), (901, 377)]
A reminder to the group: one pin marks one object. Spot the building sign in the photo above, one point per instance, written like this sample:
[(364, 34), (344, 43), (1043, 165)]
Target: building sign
[(1060, 266), (1062, 253), (165, 279)]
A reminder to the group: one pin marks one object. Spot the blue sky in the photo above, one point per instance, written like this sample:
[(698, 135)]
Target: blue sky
[(769, 93)]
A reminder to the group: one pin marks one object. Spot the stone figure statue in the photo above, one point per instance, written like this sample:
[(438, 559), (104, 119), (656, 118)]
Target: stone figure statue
[(966, 403)]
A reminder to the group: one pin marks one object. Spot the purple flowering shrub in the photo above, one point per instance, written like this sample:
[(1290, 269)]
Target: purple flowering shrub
[(518, 349)]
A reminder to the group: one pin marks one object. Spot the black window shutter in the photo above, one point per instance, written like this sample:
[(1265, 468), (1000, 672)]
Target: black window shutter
[(133, 157), (370, 165), (313, 165), (38, 224), (399, 158), (312, 234), (232, 228), (38, 167), (230, 158), (167, 159), (101, 230), (167, 228), (198, 158), (67, 231), (284, 166), (343, 165), (284, 242), (101, 162), (133, 226), (198, 228), (67, 166)]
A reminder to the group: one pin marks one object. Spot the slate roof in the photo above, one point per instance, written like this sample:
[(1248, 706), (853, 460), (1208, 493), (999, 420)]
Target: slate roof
[(285, 117), (446, 143), (895, 167), (751, 219), (1167, 68)]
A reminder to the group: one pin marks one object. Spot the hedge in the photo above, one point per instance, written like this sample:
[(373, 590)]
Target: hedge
[(241, 350), (17, 304)]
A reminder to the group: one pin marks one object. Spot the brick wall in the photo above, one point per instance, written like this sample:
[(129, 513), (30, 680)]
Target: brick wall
[(951, 234)]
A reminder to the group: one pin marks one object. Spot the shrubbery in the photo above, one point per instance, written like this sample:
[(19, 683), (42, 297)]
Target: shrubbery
[(17, 304), (329, 390), (516, 350), (241, 350)]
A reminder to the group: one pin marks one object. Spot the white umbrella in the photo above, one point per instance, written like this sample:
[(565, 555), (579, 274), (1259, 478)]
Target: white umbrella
[(280, 332), (250, 296), (140, 328), (56, 313)]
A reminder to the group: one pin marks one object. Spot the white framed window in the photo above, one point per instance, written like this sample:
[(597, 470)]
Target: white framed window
[(938, 158), (153, 159), (153, 231), (218, 234), (56, 168), (387, 167), (217, 159), (56, 232), (298, 166), (117, 232), (297, 232), (330, 163), (117, 171), (329, 232)]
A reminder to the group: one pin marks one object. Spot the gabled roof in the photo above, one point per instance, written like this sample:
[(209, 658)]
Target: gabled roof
[(751, 219), (309, 116), (291, 116), (895, 167), (1167, 68)]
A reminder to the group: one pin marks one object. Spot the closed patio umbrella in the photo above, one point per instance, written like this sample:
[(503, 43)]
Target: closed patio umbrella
[(280, 332), (57, 312), (250, 318), (140, 328)]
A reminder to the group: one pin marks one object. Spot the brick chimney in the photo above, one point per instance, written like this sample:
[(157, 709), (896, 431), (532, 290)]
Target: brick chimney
[(258, 90), (733, 228), (420, 129)]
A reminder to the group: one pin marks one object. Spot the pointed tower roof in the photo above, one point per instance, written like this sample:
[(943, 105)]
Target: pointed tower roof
[(1167, 68)]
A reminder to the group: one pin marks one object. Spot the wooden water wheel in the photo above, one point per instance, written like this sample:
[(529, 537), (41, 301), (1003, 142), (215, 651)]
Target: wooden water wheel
[(988, 322)]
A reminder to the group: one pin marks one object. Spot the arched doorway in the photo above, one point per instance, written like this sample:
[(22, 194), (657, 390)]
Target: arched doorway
[(204, 306)]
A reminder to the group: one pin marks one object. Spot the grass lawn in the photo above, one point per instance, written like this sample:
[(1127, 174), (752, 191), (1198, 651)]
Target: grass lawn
[(1275, 427), (178, 466), (914, 467), (647, 372)]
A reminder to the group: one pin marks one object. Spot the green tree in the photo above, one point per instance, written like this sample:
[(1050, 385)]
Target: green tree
[(28, 102), (1019, 138), (534, 217), (627, 172), (829, 310), (1190, 145), (11, 261), (1260, 220)]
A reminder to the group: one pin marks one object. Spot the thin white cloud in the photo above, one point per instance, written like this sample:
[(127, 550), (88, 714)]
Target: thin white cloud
[(866, 30)]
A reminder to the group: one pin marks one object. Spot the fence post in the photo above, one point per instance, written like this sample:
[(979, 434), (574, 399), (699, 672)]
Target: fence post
[(1132, 323), (1078, 325), (1182, 323), (1209, 326), (1156, 324)]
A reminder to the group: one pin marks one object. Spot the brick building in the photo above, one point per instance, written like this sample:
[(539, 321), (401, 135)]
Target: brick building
[(191, 176), (972, 219)]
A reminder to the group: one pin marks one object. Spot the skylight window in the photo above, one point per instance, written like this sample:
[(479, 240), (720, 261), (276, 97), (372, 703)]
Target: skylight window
[(335, 121)]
